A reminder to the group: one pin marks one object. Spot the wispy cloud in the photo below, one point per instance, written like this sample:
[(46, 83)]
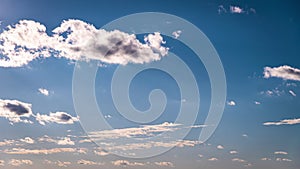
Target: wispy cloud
[(44, 91), (265, 159), (236, 9), (23, 151), (16, 162), (281, 152), (58, 163), (125, 163), (176, 34), (213, 159), (164, 164), (283, 159), (284, 122), (292, 93), (88, 162), (284, 72), (27, 140), (238, 160), (28, 40), (61, 141), (233, 152)]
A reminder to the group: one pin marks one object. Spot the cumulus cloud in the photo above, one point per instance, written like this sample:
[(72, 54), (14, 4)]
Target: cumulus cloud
[(6, 142), (62, 141), (15, 162), (15, 111), (231, 103), (58, 163), (125, 163), (283, 122), (27, 140), (281, 152), (284, 72), (22, 151), (220, 147), (57, 117), (176, 34), (292, 93), (76, 40), (88, 162), (44, 91), (164, 164), (236, 9), (213, 159)]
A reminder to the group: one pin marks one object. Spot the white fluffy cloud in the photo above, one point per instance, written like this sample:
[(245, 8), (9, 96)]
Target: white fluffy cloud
[(88, 162), (27, 140), (283, 159), (233, 152), (76, 40), (231, 103), (176, 34), (236, 9), (281, 152), (57, 117), (238, 160), (282, 122), (292, 93), (285, 72), (220, 147), (44, 91), (15, 111), (213, 159), (15, 162), (58, 163)]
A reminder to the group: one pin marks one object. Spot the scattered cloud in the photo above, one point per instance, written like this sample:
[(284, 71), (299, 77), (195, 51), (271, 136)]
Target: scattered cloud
[(220, 147), (125, 163), (283, 122), (236, 9), (245, 135), (44, 91), (88, 162), (213, 159), (6, 142), (61, 141), (265, 159), (283, 159), (164, 164), (273, 92), (76, 40), (233, 152), (284, 72), (27, 140), (238, 160), (57, 117), (200, 156), (15, 162), (23, 151), (176, 34), (281, 152), (231, 103), (101, 152), (58, 163), (15, 111), (257, 103), (221, 9), (292, 93)]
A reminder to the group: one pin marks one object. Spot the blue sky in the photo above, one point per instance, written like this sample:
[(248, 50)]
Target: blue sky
[(40, 43)]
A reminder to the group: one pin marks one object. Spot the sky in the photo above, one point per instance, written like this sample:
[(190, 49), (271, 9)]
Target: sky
[(82, 88)]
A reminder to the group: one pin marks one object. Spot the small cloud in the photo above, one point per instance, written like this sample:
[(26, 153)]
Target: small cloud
[(2, 162), (238, 160), (233, 152), (281, 152), (231, 103), (108, 116), (284, 72), (62, 141), (265, 159), (283, 159), (44, 91), (221, 9), (257, 103), (292, 93), (213, 159), (88, 162), (57, 117), (125, 163), (283, 122), (200, 156), (101, 152), (176, 34), (15, 162), (27, 140), (236, 9), (245, 135), (220, 147), (58, 163), (164, 164)]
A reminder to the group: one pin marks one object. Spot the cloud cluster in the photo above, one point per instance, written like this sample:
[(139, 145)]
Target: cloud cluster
[(62, 141), (15, 111), (234, 9), (125, 163), (88, 162), (282, 122), (58, 163), (164, 164), (76, 40), (15, 162), (284, 72), (22, 151), (44, 91)]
